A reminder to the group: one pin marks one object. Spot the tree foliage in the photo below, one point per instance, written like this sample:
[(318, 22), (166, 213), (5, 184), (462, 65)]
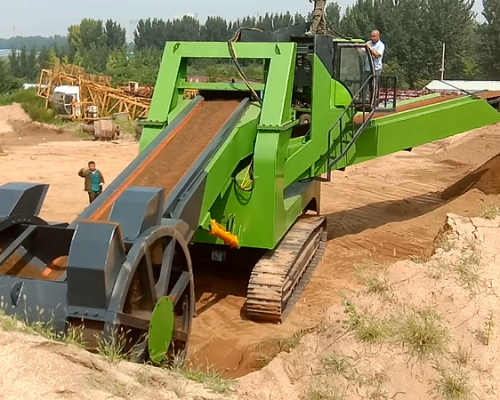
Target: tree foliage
[(413, 30)]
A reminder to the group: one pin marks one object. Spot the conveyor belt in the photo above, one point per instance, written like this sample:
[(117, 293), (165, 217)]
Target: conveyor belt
[(169, 161)]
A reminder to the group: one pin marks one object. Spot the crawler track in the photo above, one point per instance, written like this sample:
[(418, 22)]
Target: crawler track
[(281, 275)]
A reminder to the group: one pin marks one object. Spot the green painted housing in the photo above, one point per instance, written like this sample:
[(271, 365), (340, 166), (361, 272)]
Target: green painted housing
[(266, 139)]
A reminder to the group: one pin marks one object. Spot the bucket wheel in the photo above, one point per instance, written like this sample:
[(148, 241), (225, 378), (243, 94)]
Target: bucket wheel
[(152, 302)]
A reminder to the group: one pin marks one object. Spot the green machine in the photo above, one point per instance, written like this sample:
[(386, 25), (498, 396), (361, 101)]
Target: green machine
[(231, 176)]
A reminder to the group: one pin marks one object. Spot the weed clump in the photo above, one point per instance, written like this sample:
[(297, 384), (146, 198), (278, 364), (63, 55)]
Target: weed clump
[(452, 384), (367, 327), (489, 211), (421, 332)]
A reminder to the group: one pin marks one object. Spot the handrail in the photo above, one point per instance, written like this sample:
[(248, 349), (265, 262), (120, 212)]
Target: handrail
[(361, 128)]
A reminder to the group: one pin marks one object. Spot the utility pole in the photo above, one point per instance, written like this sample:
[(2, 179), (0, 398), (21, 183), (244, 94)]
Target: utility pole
[(442, 61)]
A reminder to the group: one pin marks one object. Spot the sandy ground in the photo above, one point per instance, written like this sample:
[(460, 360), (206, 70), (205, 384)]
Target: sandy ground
[(385, 210), (40, 154)]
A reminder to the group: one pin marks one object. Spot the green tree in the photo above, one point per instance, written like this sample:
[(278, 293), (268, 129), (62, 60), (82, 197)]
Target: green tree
[(333, 16), (89, 33), (489, 38), (7, 80), (15, 69), (44, 58), (450, 22), (33, 68), (23, 63), (215, 30), (115, 35), (151, 34)]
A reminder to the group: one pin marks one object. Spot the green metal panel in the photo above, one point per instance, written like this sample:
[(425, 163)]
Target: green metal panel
[(173, 70), (161, 329), (419, 126), (226, 86)]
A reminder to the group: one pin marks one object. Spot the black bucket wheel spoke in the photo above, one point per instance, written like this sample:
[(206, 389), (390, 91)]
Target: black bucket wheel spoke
[(153, 298), (166, 270)]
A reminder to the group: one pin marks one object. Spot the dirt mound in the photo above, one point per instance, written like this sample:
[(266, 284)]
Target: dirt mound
[(36, 368), (10, 114), (485, 178), (17, 128), (14, 112)]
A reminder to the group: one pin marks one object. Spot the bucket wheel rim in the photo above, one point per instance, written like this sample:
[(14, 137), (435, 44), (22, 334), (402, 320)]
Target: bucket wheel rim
[(180, 293)]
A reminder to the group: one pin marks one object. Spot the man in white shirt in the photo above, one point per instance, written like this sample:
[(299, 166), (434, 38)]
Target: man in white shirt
[(377, 48)]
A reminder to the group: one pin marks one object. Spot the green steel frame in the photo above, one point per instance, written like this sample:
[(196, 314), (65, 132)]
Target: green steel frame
[(285, 168)]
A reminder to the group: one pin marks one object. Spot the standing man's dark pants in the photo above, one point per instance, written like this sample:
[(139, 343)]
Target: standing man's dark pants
[(319, 21), (93, 195), (373, 85)]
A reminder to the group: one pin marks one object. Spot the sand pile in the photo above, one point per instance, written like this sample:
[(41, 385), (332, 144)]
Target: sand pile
[(10, 114), (486, 178)]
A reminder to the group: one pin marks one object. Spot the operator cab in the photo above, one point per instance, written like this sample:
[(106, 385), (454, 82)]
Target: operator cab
[(350, 64), (347, 61)]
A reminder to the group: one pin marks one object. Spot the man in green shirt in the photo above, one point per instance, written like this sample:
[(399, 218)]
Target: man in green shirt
[(94, 180)]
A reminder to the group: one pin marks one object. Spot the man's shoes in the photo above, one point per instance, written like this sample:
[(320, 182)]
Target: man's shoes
[(309, 33)]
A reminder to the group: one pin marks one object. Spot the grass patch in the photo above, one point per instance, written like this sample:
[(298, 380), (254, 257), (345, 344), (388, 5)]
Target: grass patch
[(126, 126), (9, 324), (419, 259), (367, 327), (375, 282), (208, 376), (268, 349), (461, 356), (452, 384), (43, 327), (422, 333), (113, 349), (467, 269), (321, 394), (489, 211), (445, 243), (437, 269), (338, 365)]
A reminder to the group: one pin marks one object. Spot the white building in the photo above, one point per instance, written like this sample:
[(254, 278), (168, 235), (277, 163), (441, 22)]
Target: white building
[(466, 86)]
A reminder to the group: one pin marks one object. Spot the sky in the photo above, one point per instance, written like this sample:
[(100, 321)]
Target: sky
[(49, 17)]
